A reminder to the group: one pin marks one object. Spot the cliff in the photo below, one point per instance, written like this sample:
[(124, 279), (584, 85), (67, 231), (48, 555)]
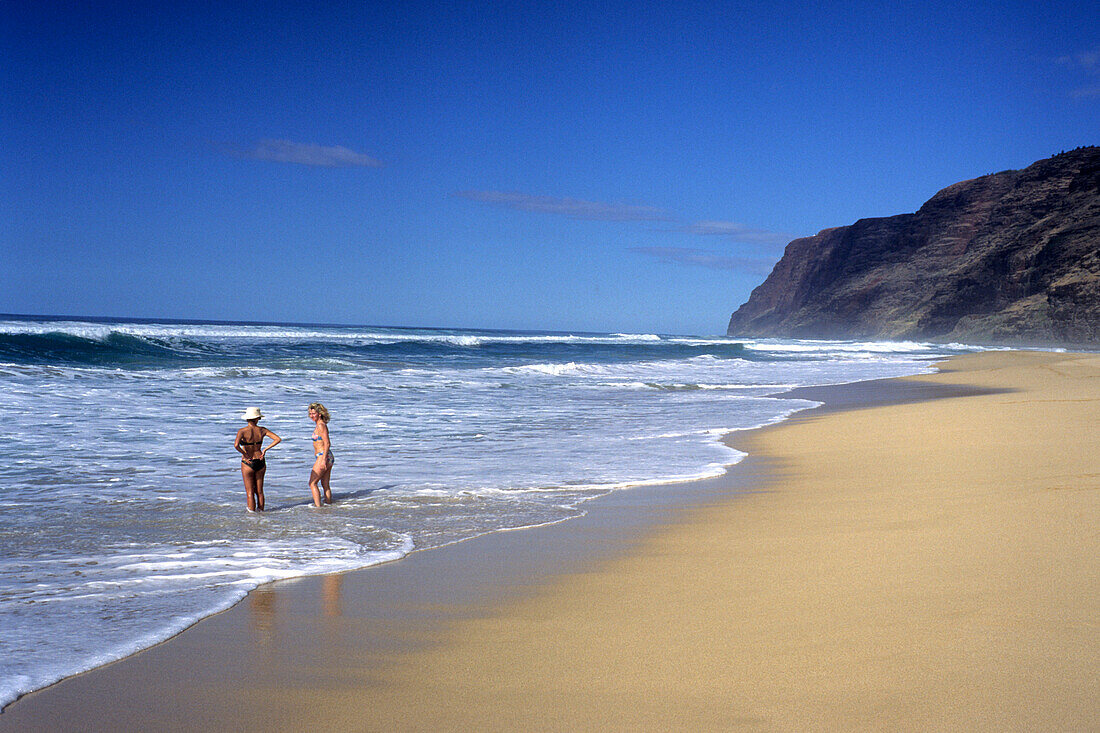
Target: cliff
[(1012, 257)]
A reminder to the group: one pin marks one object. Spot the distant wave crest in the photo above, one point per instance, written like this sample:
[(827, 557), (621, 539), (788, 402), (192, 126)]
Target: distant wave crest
[(130, 344), (91, 348)]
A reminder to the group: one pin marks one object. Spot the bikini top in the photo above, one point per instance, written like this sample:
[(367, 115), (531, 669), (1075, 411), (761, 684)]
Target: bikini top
[(318, 437), (255, 442)]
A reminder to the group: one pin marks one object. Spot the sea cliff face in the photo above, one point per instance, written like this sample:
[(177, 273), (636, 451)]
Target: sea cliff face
[(1012, 257)]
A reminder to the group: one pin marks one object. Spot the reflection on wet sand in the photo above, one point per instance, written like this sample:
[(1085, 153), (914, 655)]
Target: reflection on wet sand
[(261, 606), (330, 594)]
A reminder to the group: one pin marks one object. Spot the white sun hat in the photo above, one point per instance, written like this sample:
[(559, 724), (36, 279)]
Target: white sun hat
[(252, 413)]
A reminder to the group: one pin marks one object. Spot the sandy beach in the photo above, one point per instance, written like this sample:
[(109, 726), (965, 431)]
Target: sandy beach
[(929, 565)]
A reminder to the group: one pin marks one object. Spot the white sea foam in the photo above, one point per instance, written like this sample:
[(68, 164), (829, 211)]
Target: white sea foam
[(852, 347), (151, 625), (637, 336), (557, 369)]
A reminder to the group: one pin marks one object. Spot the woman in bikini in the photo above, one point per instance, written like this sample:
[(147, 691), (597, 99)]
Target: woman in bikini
[(249, 443), (322, 455)]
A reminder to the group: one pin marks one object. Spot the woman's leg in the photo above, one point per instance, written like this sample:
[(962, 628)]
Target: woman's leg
[(325, 483), (314, 477), (260, 489), (249, 486)]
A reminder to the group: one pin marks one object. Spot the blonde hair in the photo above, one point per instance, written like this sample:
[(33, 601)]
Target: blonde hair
[(321, 410)]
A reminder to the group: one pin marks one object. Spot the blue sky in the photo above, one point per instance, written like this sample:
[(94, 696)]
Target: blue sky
[(573, 166)]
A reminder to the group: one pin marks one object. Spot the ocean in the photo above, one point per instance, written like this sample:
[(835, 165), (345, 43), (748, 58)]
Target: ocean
[(122, 512)]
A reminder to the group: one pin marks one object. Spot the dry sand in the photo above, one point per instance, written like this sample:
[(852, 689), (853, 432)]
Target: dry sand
[(923, 566)]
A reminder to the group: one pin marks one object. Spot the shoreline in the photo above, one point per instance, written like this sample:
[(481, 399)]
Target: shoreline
[(372, 623), (667, 488)]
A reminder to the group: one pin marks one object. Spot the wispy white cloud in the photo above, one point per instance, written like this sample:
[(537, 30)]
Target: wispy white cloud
[(703, 258), (1087, 63), (568, 207), (287, 151), (737, 232), (1083, 92), (1088, 60), (760, 240)]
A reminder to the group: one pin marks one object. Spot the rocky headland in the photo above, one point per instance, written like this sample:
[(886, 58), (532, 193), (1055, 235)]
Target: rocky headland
[(1011, 257)]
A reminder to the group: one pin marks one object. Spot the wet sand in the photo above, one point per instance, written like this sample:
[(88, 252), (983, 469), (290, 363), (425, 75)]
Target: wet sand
[(929, 565)]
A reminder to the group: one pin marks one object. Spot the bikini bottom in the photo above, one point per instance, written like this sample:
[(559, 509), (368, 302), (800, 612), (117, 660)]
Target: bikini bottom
[(256, 464)]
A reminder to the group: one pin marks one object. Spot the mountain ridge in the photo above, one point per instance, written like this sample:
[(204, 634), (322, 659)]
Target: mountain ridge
[(1010, 257)]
